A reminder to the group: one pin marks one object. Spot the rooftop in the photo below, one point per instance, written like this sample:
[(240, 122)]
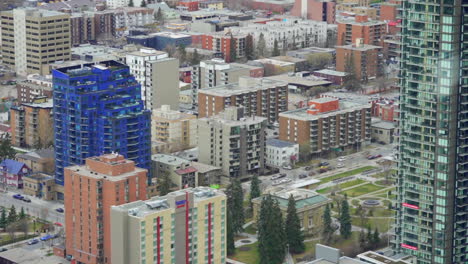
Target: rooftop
[(361, 47), (275, 62), (37, 13), (203, 168), (169, 159), (301, 114), (373, 257), (168, 34), (303, 197), (147, 52), (38, 154), (307, 81), (279, 143), (245, 85), (332, 72), (48, 104), (70, 5), (23, 256), (377, 123), (40, 176)]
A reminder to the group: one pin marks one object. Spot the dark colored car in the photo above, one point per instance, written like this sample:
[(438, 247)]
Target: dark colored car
[(302, 176), (3, 249), (60, 210), (307, 168), (18, 196), (25, 199), (33, 241), (323, 164)]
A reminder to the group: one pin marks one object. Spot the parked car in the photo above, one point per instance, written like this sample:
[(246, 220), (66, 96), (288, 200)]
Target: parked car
[(3, 249), (324, 163), (371, 157), (18, 196), (33, 241), (278, 176), (378, 156), (302, 176), (26, 199), (322, 170), (312, 173), (46, 237), (340, 165), (60, 210), (307, 168), (287, 167), (341, 159)]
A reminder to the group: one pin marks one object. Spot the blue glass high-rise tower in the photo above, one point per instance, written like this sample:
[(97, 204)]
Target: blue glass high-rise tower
[(98, 109)]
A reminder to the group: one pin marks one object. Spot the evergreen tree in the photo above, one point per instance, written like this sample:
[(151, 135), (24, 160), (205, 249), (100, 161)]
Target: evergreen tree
[(362, 240), (143, 3), (233, 49), (182, 54), (369, 238), (271, 236), (130, 3), (327, 225), (195, 58), (345, 219), (376, 237), (230, 233), (249, 49), (164, 184), (276, 51), (6, 151), (254, 189), (12, 216), (294, 235), (261, 46), (3, 219), (159, 16), (22, 215), (235, 199)]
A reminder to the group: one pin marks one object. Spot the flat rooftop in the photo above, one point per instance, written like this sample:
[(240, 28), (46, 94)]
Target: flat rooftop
[(169, 159), (378, 258), (301, 114), (362, 47), (279, 143), (332, 72), (253, 84), (382, 124), (303, 197), (307, 81)]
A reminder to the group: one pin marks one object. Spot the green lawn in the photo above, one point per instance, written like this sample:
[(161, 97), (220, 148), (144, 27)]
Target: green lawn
[(361, 190), (309, 250), (346, 174), (382, 224), (249, 257), (342, 185), (251, 230)]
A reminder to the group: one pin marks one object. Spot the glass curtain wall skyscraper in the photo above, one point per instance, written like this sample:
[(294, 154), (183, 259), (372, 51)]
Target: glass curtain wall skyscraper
[(432, 213), (98, 110)]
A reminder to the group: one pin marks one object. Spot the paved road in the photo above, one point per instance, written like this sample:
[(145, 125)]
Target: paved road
[(37, 207)]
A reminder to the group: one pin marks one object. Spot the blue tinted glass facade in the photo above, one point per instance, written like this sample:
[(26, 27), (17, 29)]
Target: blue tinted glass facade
[(97, 110)]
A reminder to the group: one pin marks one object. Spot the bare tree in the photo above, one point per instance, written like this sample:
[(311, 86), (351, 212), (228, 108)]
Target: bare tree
[(386, 166), (23, 225)]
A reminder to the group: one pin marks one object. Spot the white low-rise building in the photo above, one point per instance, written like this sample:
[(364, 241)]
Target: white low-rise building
[(281, 153)]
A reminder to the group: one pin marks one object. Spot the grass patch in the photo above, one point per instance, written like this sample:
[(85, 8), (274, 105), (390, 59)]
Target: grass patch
[(361, 190), (342, 185), (250, 256), (355, 202), (382, 224), (384, 182), (309, 251), (346, 174), (251, 230)]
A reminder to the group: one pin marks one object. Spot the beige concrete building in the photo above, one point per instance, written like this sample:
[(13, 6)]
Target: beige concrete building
[(180, 171), (177, 129), (186, 226), (32, 124), (309, 205), (234, 142), (34, 38), (383, 131), (42, 160), (39, 185)]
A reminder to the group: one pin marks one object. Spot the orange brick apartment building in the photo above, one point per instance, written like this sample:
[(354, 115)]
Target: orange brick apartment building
[(90, 191), (371, 32), (366, 59), (221, 42)]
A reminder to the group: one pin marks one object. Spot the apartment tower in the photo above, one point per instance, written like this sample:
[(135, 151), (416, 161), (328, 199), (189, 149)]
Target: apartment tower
[(90, 191), (432, 213)]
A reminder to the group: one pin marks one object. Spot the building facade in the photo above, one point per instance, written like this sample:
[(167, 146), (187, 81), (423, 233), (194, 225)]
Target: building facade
[(177, 129), (327, 125), (42, 160), (317, 10), (33, 87), (258, 96), (366, 59), (179, 170), (39, 185), (90, 192), (371, 31), (432, 171), (34, 38), (186, 226), (281, 153), (83, 28), (225, 43), (98, 109), (32, 124), (234, 142)]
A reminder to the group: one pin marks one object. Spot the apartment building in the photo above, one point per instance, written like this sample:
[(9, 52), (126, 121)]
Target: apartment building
[(258, 96), (111, 4), (366, 59), (88, 125), (357, 10), (371, 31), (34, 38), (35, 86), (234, 142), (281, 153), (214, 72), (128, 17), (317, 10), (32, 124), (83, 28), (327, 124), (90, 191), (154, 70), (180, 171), (41, 160), (186, 226), (222, 42), (178, 130)]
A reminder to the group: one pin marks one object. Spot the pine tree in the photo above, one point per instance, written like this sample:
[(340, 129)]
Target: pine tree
[(261, 46), (6, 151), (143, 3), (182, 54), (254, 189), (327, 225), (276, 51), (369, 238), (159, 16), (195, 58), (12, 216), (130, 3), (235, 200), (165, 184), (3, 219), (294, 235), (230, 233), (233, 49), (362, 240), (249, 49), (345, 219), (376, 237), (22, 215), (271, 235)]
